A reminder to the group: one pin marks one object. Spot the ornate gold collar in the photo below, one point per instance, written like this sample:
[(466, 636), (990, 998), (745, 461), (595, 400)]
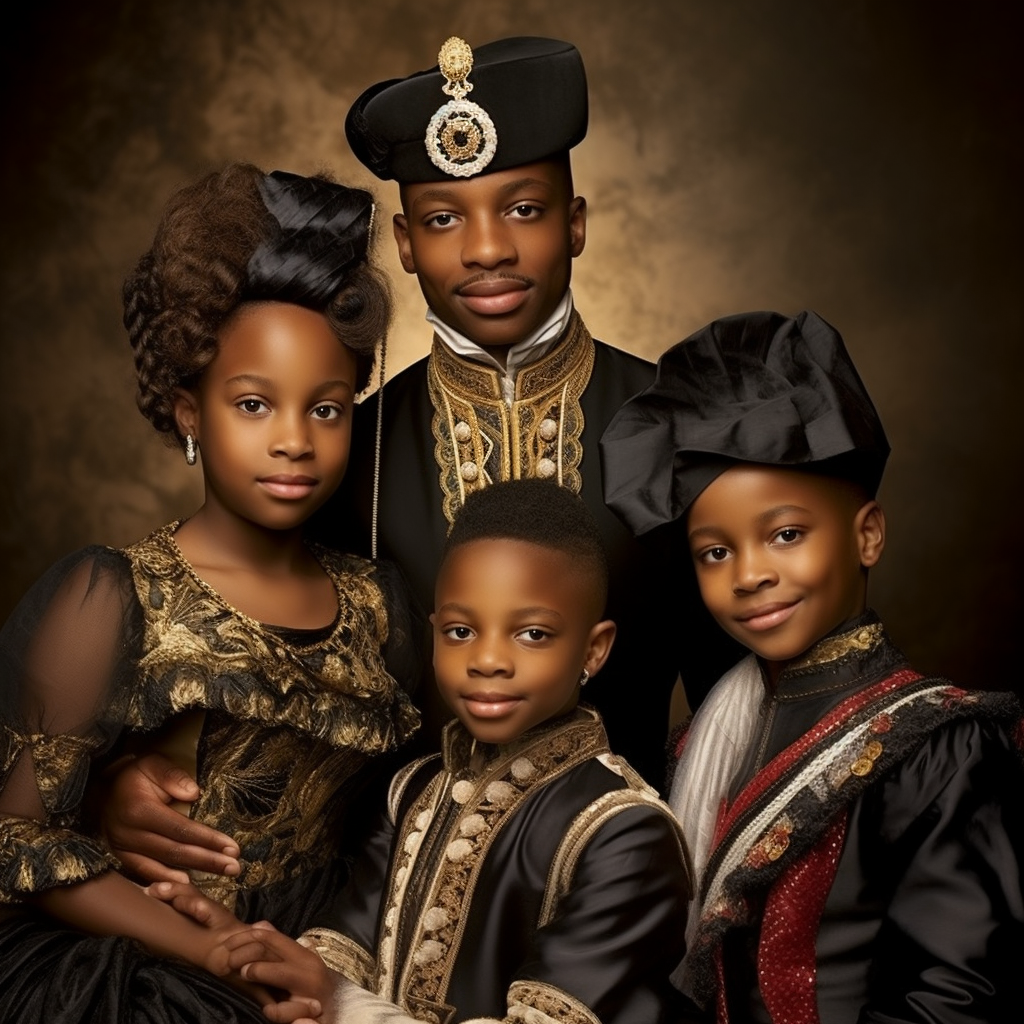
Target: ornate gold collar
[(481, 439), (864, 637)]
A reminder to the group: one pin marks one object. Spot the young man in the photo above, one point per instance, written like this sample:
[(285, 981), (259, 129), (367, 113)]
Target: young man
[(514, 385), (856, 827)]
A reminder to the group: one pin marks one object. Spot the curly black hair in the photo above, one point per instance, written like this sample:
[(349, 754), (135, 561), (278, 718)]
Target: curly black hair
[(538, 512), (193, 279)]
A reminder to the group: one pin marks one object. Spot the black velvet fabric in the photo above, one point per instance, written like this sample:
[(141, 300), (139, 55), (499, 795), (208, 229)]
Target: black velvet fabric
[(755, 387)]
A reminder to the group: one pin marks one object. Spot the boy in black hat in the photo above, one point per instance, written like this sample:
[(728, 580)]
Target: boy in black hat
[(514, 386), (856, 828)]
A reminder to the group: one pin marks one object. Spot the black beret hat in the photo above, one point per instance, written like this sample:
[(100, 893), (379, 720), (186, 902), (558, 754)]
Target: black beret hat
[(533, 90), (757, 387)]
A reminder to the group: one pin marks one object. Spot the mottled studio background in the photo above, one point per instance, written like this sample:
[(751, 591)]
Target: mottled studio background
[(860, 158)]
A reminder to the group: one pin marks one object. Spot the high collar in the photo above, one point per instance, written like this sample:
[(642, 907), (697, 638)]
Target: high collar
[(522, 353), (854, 653), (485, 433), (578, 732)]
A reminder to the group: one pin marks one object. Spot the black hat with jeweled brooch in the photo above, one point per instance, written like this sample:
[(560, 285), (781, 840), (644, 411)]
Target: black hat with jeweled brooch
[(529, 102), (756, 387)]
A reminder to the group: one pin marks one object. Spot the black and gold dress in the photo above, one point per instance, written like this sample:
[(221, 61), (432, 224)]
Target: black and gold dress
[(114, 648)]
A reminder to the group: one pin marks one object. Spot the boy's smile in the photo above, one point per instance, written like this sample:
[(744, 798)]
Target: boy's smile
[(493, 254), (513, 630), (780, 556)]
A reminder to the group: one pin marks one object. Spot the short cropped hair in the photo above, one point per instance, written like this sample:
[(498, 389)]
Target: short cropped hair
[(538, 512)]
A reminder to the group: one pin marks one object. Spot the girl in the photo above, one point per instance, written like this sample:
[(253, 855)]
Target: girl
[(256, 660)]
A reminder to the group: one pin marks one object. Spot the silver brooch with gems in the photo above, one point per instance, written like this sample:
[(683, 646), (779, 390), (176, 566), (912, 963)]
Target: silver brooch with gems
[(461, 139)]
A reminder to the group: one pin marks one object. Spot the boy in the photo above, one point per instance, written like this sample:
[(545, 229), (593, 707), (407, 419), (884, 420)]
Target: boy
[(527, 874), (856, 828)]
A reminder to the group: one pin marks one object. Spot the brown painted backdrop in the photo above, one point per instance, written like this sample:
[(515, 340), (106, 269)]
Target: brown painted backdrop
[(860, 158)]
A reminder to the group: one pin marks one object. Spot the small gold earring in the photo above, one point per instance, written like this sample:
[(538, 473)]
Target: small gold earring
[(190, 449), (584, 677)]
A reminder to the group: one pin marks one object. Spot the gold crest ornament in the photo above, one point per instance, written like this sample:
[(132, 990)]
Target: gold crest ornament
[(460, 139)]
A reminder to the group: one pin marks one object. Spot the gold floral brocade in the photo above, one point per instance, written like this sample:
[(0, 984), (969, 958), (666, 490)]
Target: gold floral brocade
[(481, 439), (285, 724)]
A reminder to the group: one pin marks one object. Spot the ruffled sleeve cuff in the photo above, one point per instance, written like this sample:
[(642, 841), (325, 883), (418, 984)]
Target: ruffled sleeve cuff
[(35, 857)]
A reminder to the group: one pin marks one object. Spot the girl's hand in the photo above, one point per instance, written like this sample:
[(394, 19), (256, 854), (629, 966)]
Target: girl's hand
[(148, 836), (222, 926), (218, 921), (266, 957)]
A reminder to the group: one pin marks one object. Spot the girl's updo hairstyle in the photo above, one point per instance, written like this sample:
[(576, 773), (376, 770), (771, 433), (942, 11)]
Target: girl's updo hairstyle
[(237, 236)]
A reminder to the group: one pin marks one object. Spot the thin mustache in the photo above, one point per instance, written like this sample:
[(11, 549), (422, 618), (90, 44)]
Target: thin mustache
[(501, 276)]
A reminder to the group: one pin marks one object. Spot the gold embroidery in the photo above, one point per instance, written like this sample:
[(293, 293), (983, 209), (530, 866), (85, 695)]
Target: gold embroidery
[(586, 824), (864, 638), (527, 999), (39, 856), (340, 954), (431, 929), (286, 725), (480, 439)]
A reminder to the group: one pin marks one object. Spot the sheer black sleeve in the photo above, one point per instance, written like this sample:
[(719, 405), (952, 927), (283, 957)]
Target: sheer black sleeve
[(67, 669)]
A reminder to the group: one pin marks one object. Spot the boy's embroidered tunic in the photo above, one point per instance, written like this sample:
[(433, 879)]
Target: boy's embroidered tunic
[(550, 880), (863, 780)]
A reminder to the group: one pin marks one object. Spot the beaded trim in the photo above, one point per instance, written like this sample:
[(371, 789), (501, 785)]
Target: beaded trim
[(480, 439)]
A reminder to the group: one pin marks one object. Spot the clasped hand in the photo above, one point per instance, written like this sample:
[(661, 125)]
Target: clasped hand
[(290, 982)]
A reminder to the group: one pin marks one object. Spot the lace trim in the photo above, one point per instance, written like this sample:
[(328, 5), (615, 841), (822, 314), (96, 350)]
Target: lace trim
[(480, 439), (36, 857)]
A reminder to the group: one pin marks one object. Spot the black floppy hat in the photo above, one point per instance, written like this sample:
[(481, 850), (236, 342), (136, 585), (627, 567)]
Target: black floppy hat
[(756, 387)]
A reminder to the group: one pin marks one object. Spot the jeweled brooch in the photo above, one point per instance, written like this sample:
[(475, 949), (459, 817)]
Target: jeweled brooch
[(461, 139)]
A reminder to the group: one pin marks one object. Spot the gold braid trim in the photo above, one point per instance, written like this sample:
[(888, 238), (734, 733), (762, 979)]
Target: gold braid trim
[(587, 823), (397, 788), (455, 821), (340, 954), (480, 439), (857, 641), (534, 1002)]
